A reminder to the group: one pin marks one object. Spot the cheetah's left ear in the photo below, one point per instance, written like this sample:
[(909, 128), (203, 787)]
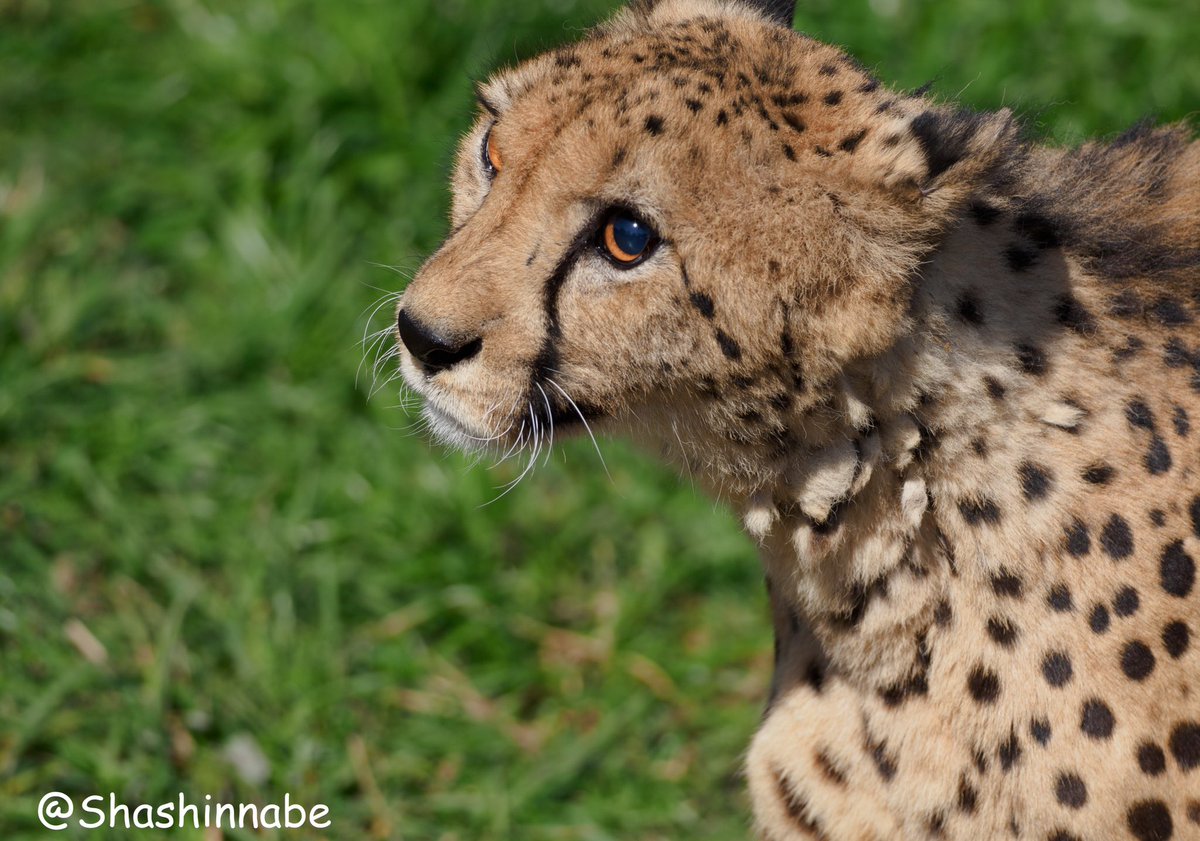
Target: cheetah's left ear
[(782, 12)]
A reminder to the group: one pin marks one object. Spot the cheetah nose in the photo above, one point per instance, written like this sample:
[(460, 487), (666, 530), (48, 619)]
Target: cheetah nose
[(433, 352)]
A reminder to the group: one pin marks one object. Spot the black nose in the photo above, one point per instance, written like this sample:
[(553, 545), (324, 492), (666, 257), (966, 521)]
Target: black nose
[(433, 352)]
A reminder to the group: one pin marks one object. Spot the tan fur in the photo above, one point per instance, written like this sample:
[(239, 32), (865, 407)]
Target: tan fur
[(950, 377)]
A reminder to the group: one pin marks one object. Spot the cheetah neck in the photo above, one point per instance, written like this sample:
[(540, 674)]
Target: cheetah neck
[(864, 534)]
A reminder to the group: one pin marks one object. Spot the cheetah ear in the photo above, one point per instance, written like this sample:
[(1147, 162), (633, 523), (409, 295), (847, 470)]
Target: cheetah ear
[(945, 152), (782, 12)]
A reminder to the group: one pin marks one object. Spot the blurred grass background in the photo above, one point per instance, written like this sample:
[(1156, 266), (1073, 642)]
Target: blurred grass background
[(225, 570)]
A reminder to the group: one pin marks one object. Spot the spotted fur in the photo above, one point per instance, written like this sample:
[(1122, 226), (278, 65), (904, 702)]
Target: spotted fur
[(948, 375)]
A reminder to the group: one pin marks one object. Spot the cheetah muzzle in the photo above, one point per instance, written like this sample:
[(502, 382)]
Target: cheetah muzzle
[(948, 375)]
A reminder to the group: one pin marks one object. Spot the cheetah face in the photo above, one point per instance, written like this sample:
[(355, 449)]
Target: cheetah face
[(677, 228)]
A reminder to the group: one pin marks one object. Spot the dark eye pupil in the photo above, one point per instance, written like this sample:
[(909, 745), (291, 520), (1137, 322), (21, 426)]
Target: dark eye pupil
[(630, 235)]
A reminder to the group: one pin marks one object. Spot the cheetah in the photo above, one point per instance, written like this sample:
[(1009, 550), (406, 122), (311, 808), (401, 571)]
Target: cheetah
[(949, 377)]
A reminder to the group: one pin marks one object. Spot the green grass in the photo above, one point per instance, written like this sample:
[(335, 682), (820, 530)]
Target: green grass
[(194, 195)]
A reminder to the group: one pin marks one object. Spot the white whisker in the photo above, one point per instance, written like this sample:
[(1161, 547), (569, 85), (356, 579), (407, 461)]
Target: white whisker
[(586, 425), (550, 420)]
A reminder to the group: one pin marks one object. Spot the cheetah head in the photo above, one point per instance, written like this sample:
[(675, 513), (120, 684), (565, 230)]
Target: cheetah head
[(682, 228)]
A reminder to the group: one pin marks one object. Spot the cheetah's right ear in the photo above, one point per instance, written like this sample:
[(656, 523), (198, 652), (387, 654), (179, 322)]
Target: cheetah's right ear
[(943, 153), (779, 11)]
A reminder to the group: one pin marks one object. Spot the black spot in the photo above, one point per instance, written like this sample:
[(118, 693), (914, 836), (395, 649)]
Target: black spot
[(1175, 638), (815, 676), (1060, 598), (766, 117), (1056, 668), (995, 388), (1185, 744), (1150, 820), (1158, 457), (979, 511), (1158, 517), (1194, 511), (1062, 835), (1151, 759), (654, 125), (828, 70), (1079, 543), (895, 695), (1070, 791), (968, 309), (1137, 661), (1006, 583), (1126, 602), (1177, 570), (1002, 631), (1098, 620), (1038, 229), (1075, 316), (795, 806), (1039, 728), (1183, 424), (1125, 304), (722, 117), (729, 346), (822, 152), (694, 105), (983, 213), (942, 614), (703, 303), (833, 98), (1098, 473), (1009, 751), (794, 123), (850, 143), (1116, 538), (1170, 313), (968, 798), (1139, 415), (979, 446), (1129, 350), (567, 59), (1035, 480), (1019, 257), (1096, 720), (984, 685), (1176, 354), (884, 764), (1032, 359)]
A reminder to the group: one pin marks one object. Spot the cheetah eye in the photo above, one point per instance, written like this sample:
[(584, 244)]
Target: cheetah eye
[(626, 240), (492, 164)]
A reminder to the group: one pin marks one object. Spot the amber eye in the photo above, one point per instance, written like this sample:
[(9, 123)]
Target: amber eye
[(626, 240), (492, 164)]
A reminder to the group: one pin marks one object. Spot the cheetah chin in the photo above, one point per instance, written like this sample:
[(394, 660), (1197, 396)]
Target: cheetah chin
[(946, 374)]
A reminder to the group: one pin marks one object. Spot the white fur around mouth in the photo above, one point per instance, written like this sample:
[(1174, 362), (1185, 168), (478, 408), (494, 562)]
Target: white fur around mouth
[(449, 429)]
